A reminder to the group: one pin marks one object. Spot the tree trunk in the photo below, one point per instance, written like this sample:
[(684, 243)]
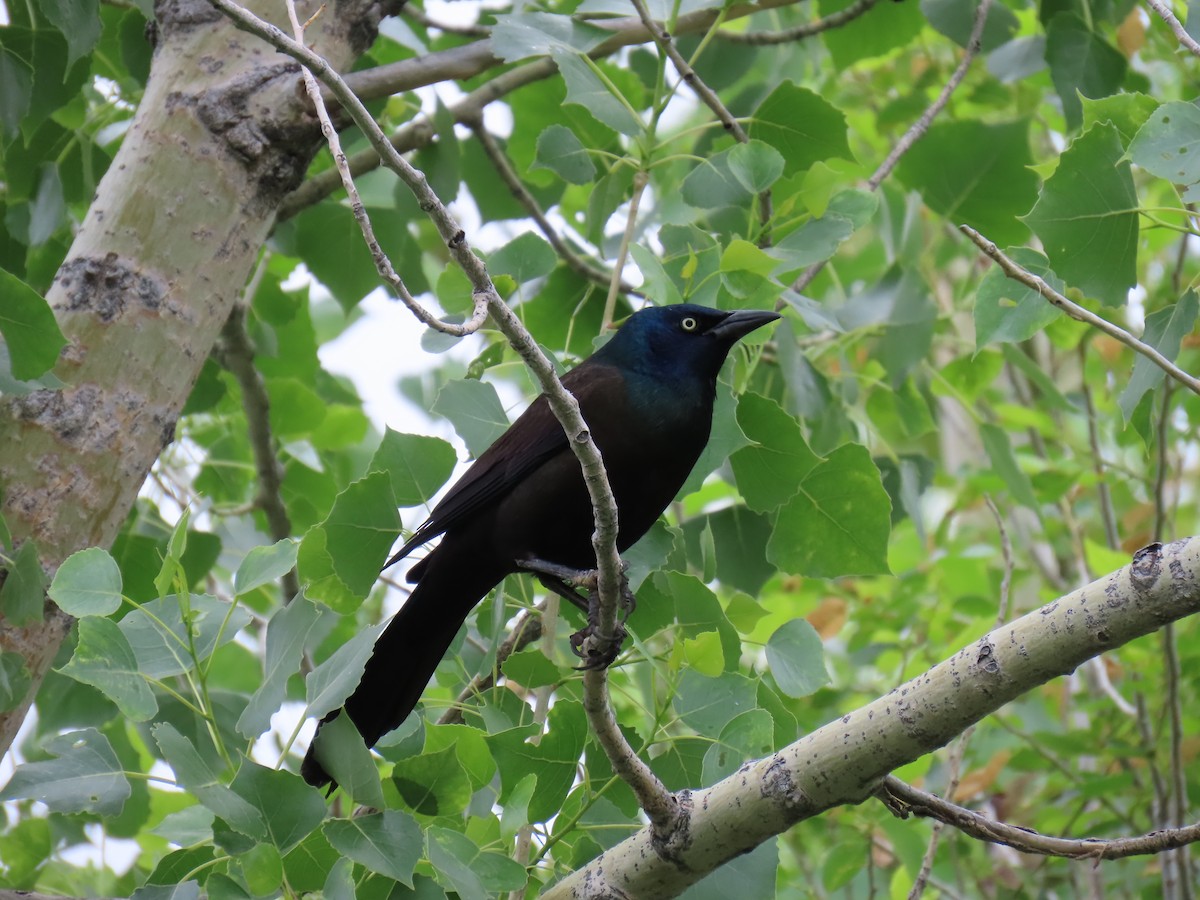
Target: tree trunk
[(222, 134)]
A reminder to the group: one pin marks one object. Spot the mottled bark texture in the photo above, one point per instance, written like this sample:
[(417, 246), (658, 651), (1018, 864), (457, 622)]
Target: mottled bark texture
[(223, 132), (844, 761)]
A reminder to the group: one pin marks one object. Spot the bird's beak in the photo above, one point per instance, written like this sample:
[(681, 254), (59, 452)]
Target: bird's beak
[(740, 323)]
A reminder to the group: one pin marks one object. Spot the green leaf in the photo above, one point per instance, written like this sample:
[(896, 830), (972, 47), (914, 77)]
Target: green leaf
[(1168, 144), (29, 328), (460, 865), (296, 409), (188, 890), (84, 776), (264, 565), (343, 754), (1127, 111), (771, 470), (975, 173), (1004, 464), (88, 583), (1087, 217), (23, 593), (287, 636), (531, 669), (882, 29), (1081, 63), (796, 658), (163, 632), (802, 126), (555, 759), (360, 531), (79, 22), (388, 842), (707, 704), (1007, 311), (262, 867), (755, 165), (47, 209), (525, 257), (474, 409), (433, 784), (743, 256), (587, 89), (516, 36), (15, 680), (711, 184), (104, 659), (193, 774), (1164, 332), (417, 465), (330, 242), (704, 653), (956, 19), (749, 735), (16, 90), (290, 808), (740, 537), (751, 874), (331, 682), (339, 883), (561, 151), (839, 521), (813, 242)]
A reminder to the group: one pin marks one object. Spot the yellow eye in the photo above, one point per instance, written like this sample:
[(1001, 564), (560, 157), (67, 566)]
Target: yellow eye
[(688, 324)]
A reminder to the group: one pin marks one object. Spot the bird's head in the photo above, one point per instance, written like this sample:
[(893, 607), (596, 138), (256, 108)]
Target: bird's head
[(682, 338)]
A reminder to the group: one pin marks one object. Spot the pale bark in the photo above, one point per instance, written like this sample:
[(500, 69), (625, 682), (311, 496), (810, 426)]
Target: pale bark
[(223, 132), (844, 761)]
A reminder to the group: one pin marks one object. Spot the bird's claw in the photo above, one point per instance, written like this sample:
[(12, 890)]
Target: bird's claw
[(595, 651)]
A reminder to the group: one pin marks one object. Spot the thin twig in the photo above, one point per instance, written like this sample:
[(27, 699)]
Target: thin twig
[(1103, 494), (411, 12), (917, 129), (1075, 311), (495, 153), (904, 800), (707, 96), (799, 32), (660, 805), (237, 355), (1175, 25), (526, 630), (382, 264), (640, 178)]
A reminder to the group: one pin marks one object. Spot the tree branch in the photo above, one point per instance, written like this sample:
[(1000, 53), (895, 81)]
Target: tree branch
[(495, 153), (236, 352), (1075, 311), (799, 32), (904, 800), (844, 762), (1175, 25)]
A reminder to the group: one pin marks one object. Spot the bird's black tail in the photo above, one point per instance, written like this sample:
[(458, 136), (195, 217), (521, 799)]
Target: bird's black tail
[(408, 651)]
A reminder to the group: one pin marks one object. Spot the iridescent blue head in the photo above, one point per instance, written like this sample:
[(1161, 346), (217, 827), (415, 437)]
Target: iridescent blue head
[(680, 341)]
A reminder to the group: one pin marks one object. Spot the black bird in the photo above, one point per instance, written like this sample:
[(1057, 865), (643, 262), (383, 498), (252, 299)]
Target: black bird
[(647, 397)]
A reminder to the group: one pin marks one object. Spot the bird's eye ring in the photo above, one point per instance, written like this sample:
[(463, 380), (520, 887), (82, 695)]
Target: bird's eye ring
[(688, 324)]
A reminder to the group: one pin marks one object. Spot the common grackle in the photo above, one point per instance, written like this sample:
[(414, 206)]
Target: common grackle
[(647, 397)]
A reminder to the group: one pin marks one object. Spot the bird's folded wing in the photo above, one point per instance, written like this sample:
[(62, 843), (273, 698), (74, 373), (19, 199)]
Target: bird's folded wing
[(535, 437)]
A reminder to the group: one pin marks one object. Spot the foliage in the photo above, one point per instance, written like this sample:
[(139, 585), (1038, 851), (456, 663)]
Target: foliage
[(843, 498)]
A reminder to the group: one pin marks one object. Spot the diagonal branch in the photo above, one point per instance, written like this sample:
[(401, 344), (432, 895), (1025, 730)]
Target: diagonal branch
[(504, 168), (1075, 311), (917, 129), (905, 800), (1175, 25), (845, 761), (799, 32)]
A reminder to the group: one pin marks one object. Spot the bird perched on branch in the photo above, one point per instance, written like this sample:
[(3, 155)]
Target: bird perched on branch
[(647, 397)]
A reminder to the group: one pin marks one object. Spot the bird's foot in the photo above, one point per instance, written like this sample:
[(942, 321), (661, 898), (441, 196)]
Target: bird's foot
[(595, 651)]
